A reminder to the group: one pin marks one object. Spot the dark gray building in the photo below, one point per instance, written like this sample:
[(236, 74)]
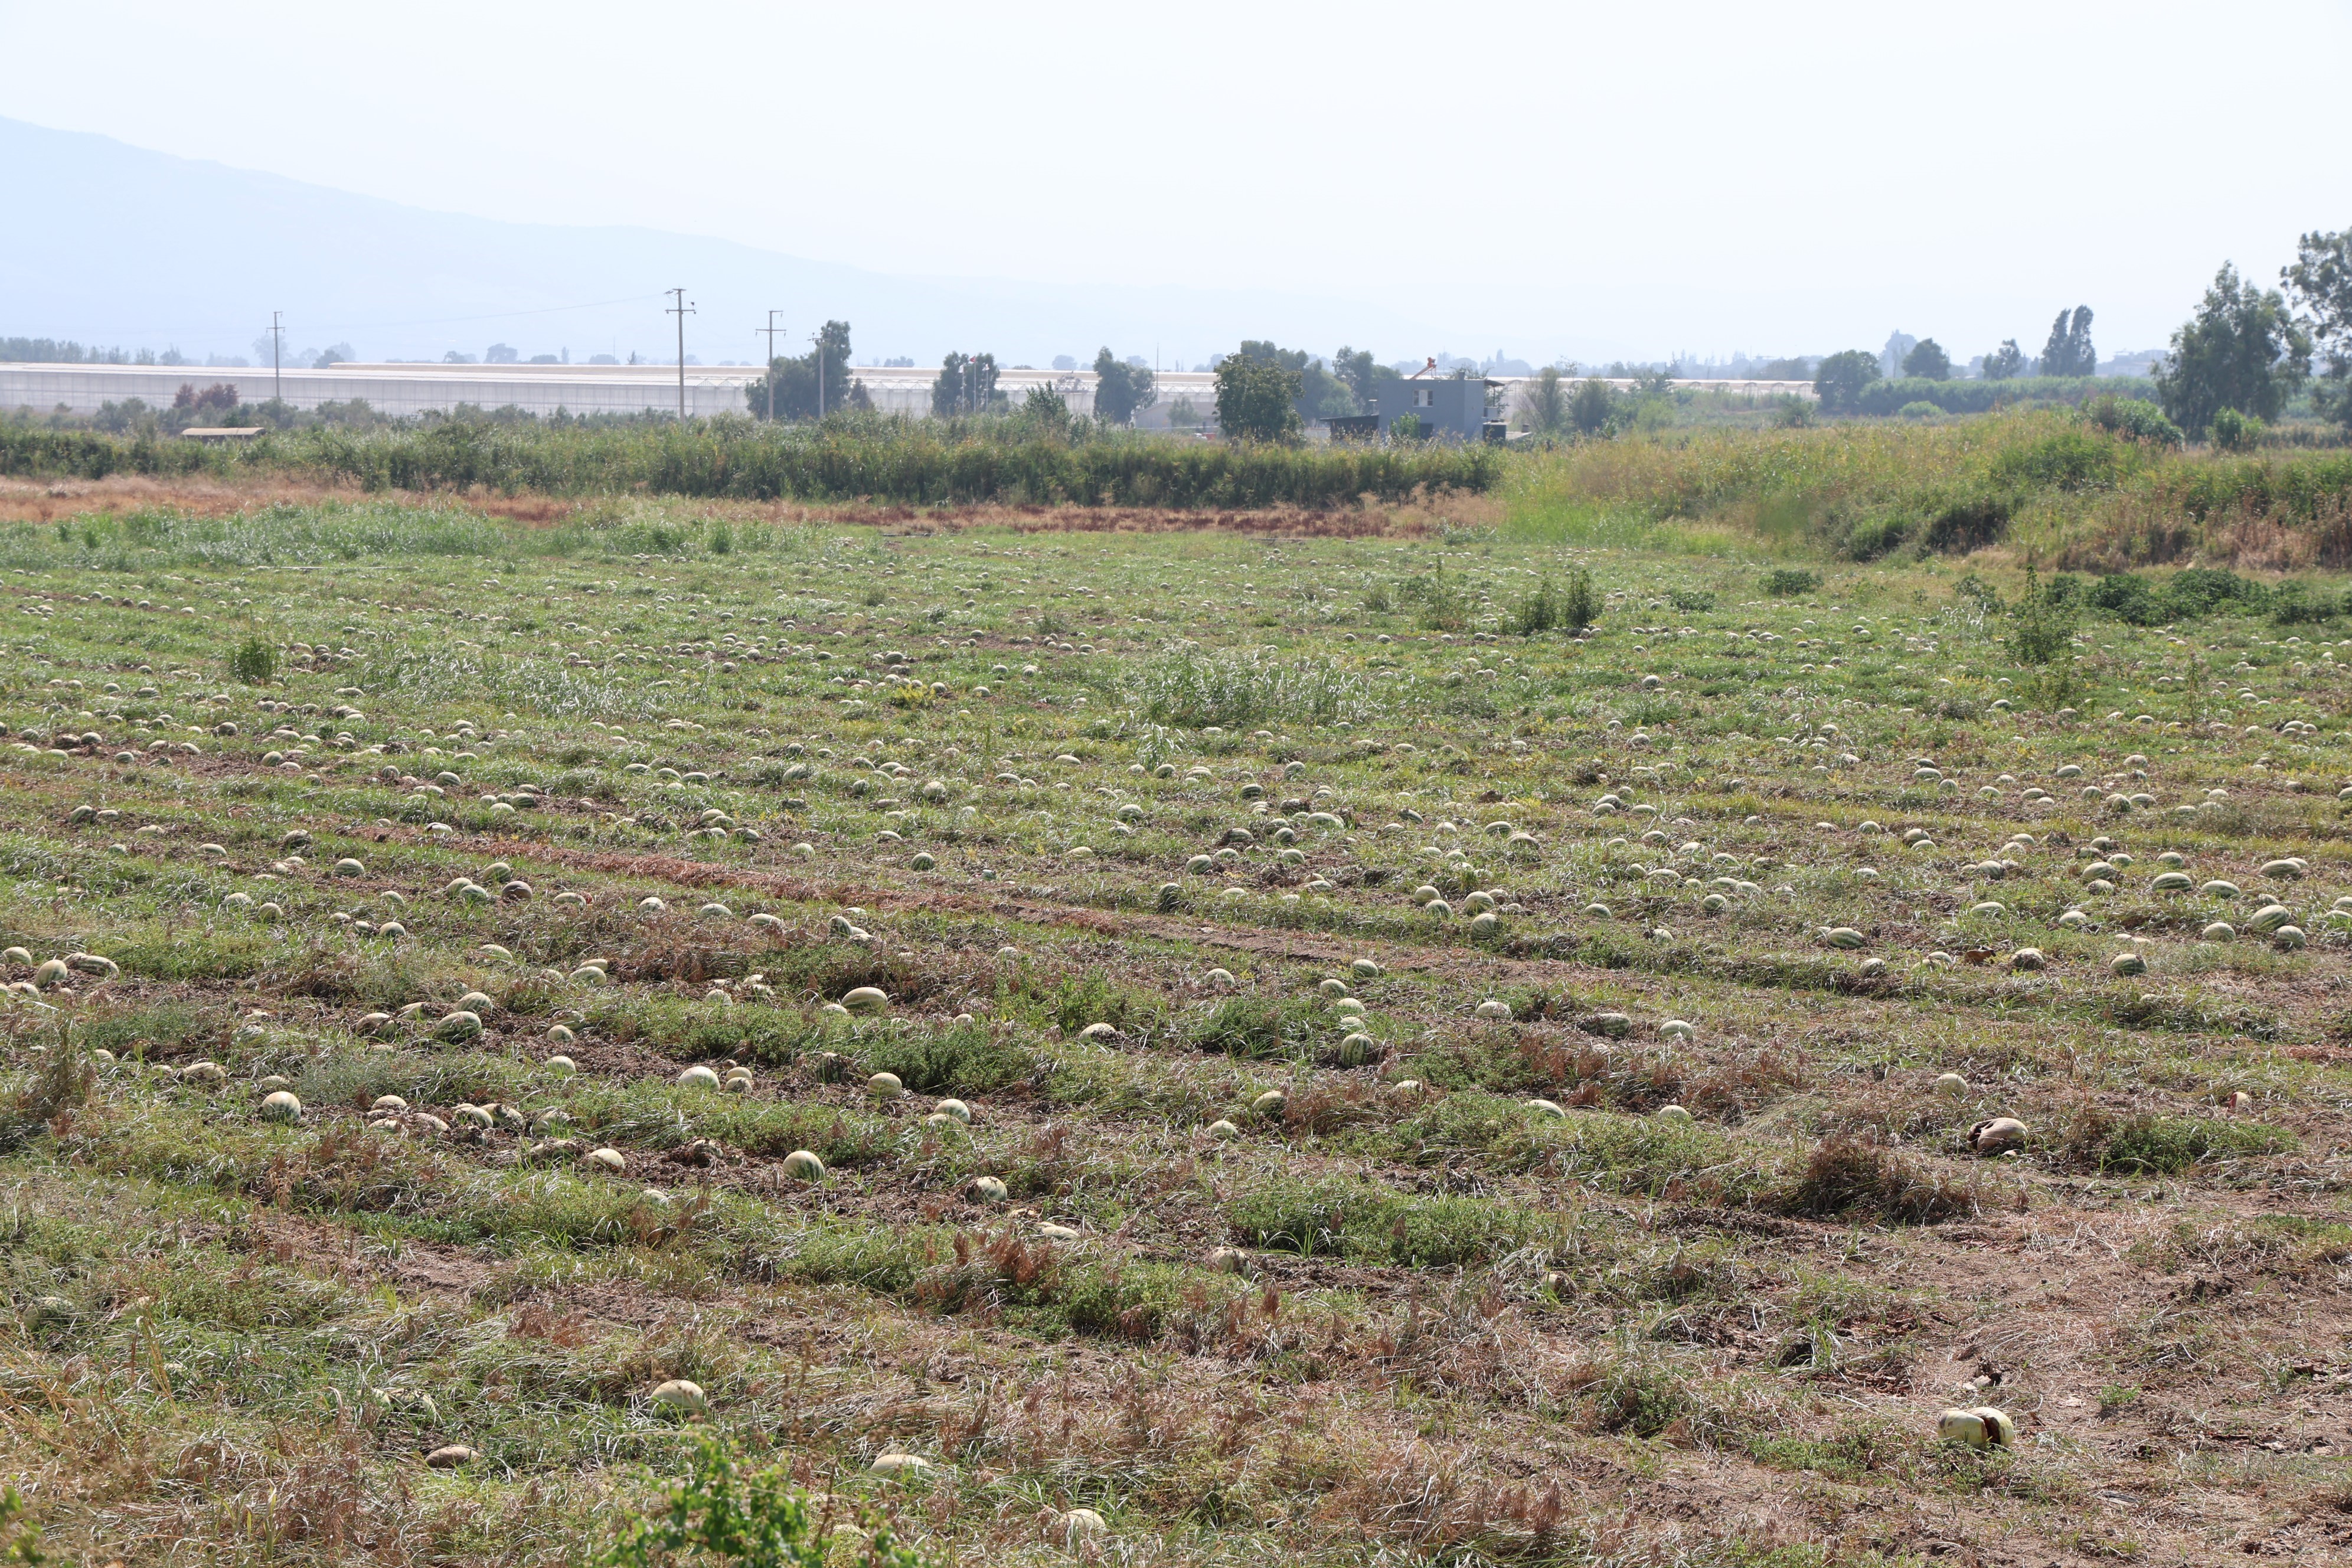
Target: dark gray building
[(1449, 407)]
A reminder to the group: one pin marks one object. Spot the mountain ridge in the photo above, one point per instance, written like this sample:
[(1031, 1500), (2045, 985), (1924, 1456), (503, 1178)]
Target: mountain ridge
[(121, 244)]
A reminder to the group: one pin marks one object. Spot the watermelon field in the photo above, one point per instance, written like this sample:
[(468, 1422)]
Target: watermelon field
[(1416, 1041)]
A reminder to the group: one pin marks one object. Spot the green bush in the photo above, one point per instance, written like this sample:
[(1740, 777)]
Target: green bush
[(1791, 581), (2236, 432), (2297, 603), (1576, 607), (1919, 408), (1538, 612), (719, 1512), (2194, 592), (1580, 602), (255, 662), (2135, 418), (2045, 626)]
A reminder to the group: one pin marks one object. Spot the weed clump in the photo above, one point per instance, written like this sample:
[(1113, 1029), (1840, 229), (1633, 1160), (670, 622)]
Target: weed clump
[(719, 1511), (2147, 1144), (1847, 1176)]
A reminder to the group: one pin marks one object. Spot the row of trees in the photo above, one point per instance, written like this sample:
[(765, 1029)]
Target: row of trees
[(1840, 378), (2249, 349), (1558, 405), (2236, 361)]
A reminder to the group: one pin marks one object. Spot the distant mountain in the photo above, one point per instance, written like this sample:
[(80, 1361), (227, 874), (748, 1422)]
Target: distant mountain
[(112, 244)]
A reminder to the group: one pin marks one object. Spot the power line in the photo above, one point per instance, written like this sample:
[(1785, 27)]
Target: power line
[(682, 309), (492, 315)]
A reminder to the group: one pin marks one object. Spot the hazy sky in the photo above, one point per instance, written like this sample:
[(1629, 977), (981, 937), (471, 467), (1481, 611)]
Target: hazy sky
[(1587, 179)]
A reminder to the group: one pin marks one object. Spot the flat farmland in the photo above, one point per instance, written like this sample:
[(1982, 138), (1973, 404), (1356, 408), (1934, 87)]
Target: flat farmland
[(1270, 1035)]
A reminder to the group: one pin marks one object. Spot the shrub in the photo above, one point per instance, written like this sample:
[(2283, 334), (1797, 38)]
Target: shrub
[(2236, 432), (1791, 581), (1580, 602), (2136, 419), (1969, 524), (1972, 587), (2127, 598), (2044, 627), (719, 1512), (1440, 606), (255, 662), (2201, 590), (1918, 409), (2299, 605), (1538, 612)]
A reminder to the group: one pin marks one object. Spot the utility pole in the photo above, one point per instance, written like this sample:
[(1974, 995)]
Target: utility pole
[(818, 339), (277, 333), (682, 309), (771, 330)]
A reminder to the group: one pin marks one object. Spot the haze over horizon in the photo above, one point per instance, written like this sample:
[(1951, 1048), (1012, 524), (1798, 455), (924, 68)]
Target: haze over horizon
[(1550, 181)]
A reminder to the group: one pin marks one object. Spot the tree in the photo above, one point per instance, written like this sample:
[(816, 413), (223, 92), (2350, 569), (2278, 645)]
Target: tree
[(947, 391), (1257, 398), (1928, 361), (2242, 350), (800, 379), (1593, 406), (2006, 363), (1320, 394), (1045, 411), (1362, 376), (2320, 281), (1548, 402), (1121, 390), (501, 353), (2069, 351), (1842, 377)]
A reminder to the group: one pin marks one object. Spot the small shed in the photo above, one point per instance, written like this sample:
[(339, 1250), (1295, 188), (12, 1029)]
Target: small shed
[(216, 434)]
